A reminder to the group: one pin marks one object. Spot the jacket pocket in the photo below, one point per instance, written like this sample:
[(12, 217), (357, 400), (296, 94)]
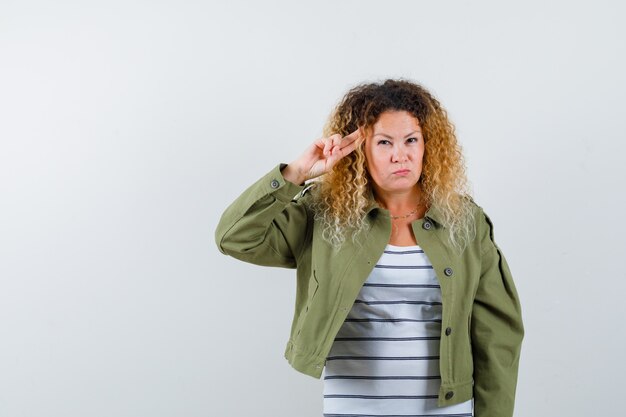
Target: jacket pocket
[(312, 291), (469, 338), (313, 286)]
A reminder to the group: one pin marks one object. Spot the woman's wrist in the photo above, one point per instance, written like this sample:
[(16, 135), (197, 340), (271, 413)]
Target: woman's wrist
[(293, 175)]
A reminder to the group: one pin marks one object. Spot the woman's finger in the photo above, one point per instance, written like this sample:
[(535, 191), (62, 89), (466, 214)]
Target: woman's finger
[(348, 148), (334, 144), (336, 139), (328, 143), (348, 145), (352, 137)]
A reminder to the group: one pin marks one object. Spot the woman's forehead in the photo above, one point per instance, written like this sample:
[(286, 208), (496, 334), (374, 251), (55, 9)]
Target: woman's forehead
[(396, 122)]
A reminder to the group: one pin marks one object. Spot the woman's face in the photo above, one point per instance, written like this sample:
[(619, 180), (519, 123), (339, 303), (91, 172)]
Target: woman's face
[(395, 151)]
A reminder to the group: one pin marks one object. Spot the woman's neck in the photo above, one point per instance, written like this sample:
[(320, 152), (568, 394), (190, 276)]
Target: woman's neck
[(399, 203)]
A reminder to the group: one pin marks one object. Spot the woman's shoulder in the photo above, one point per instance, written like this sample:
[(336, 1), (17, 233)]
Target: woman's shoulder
[(484, 224), (475, 208), (471, 202), (481, 219)]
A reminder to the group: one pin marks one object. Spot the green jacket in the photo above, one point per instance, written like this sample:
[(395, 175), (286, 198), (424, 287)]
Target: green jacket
[(271, 224)]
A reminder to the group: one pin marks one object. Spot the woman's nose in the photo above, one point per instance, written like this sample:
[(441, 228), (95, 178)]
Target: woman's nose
[(399, 154)]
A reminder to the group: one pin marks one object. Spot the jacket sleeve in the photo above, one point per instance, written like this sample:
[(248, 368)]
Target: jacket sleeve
[(496, 331), (266, 224)]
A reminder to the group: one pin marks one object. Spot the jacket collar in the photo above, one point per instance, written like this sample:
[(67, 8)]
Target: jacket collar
[(433, 213)]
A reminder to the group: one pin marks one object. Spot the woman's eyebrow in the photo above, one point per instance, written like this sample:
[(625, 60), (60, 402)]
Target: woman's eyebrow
[(383, 134)]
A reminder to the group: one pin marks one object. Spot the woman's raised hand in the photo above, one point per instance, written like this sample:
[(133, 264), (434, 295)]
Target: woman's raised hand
[(321, 156)]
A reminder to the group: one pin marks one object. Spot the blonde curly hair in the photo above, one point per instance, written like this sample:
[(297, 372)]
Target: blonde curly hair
[(342, 195)]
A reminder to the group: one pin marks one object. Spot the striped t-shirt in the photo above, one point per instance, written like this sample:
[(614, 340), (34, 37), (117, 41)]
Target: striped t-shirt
[(385, 358)]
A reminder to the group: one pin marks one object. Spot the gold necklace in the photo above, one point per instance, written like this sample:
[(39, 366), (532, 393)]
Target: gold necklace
[(405, 215)]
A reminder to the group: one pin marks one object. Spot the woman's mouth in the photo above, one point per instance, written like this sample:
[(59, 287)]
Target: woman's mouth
[(402, 172)]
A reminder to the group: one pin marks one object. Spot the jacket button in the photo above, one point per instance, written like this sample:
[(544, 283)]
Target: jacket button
[(449, 395), (448, 271), (448, 331), (274, 184), (427, 225)]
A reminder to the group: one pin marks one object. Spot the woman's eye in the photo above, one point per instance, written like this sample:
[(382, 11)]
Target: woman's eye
[(383, 142), (412, 140)]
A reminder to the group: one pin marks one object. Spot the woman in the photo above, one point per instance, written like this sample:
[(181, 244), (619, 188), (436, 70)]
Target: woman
[(403, 298)]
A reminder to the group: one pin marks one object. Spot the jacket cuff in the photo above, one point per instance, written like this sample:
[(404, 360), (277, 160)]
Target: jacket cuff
[(278, 186)]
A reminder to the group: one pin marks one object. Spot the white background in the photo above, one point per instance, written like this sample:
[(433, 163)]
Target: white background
[(126, 127)]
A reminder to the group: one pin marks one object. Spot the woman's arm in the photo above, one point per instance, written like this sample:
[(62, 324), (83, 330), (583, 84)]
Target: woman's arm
[(265, 225), (497, 332)]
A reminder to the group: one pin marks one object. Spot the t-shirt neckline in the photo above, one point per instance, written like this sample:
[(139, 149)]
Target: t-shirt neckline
[(390, 246)]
